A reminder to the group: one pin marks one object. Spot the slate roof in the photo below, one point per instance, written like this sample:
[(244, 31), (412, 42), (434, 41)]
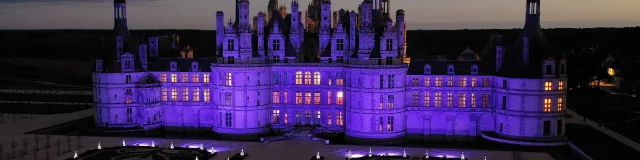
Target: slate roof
[(184, 64), (439, 67), (148, 79)]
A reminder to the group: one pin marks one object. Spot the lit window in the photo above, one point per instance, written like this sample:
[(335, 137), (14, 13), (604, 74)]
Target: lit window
[(228, 79), (339, 119), (307, 78), (414, 99), (339, 96), (206, 77), (561, 85), (473, 100), (185, 94), (380, 122), (329, 81), (276, 117), (195, 78), (329, 101), (381, 102), (390, 101), (473, 82), (547, 105), (427, 100), (438, 99), (307, 98), (174, 94), (316, 98), (276, 97), (316, 78), (427, 81), (449, 99), (463, 82), (206, 94), (485, 82), (185, 77), (390, 123), (560, 102), (340, 81), (196, 94), (318, 115), (164, 94), (462, 100), (227, 98), (485, 100), (163, 77), (298, 77), (548, 85), (329, 118), (438, 81), (285, 96), (129, 100), (450, 82), (414, 81), (298, 97), (174, 78), (286, 118)]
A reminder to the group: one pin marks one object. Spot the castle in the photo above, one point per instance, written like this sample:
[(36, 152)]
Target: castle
[(352, 77)]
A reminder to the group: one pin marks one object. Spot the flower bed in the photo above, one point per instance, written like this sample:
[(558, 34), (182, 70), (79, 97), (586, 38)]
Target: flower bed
[(139, 152)]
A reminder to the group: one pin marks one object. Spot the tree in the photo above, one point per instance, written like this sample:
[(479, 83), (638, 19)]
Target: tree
[(36, 138), (13, 148), (25, 144), (69, 143), (78, 140), (1, 145), (58, 145)]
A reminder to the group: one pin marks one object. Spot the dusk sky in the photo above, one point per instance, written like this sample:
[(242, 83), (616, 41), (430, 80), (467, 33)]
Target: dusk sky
[(421, 14)]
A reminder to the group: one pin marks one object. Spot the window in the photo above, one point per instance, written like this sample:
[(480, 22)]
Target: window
[(174, 94), (286, 118), (381, 81), (298, 77), (504, 84), (389, 44), (390, 100), (559, 127), (438, 99), (390, 123), (391, 82), (339, 119), (438, 81), (546, 131), (316, 98), (427, 81), (340, 59), (286, 78), (485, 82), (276, 44), (276, 117), (227, 98), (485, 100), (185, 94), (548, 68), (185, 77), (163, 77), (276, 59), (449, 99), (129, 113), (414, 81), (307, 98), (275, 97), (462, 100), (196, 94), (164, 94), (561, 85), (329, 97), (230, 45), (504, 102), (275, 78), (339, 96), (298, 97), (340, 44), (473, 82), (206, 94), (285, 96), (129, 100), (128, 77), (174, 78), (547, 105), (329, 118), (205, 78), (473, 100), (560, 102), (307, 78), (228, 79), (316, 78), (450, 82), (427, 99), (228, 118), (195, 78), (381, 102), (462, 82), (129, 92), (414, 99), (548, 85), (340, 81), (380, 122)]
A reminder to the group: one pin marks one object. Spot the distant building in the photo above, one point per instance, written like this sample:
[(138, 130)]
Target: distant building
[(623, 72), (347, 78)]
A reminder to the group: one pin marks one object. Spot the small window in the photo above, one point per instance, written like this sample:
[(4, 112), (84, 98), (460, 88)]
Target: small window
[(559, 127), (504, 102), (546, 131), (548, 69)]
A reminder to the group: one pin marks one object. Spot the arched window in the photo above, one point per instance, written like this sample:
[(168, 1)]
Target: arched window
[(316, 78), (307, 78), (298, 77)]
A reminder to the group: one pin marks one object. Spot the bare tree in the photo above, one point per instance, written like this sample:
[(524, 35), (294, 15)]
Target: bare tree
[(36, 138), (46, 156), (78, 140), (35, 153), (57, 142), (25, 144), (69, 143), (1, 145), (47, 141), (13, 148)]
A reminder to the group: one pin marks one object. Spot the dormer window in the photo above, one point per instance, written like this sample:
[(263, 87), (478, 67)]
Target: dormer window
[(230, 45), (549, 67), (474, 69), (563, 67), (99, 65), (427, 69), (450, 69), (173, 66), (194, 66)]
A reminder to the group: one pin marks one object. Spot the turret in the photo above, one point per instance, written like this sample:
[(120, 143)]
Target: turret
[(243, 8), (401, 30), (219, 31), (260, 30), (325, 24), (295, 29), (153, 48), (142, 53), (500, 51)]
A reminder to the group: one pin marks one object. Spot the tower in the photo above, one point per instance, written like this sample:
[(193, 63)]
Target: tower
[(296, 32), (352, 31), (273, 5), (260, 30), (142, 53), (366, 39), (244, 30), (121, 31), (219, 31), (401, 30), (153, 48), (325, 24)]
